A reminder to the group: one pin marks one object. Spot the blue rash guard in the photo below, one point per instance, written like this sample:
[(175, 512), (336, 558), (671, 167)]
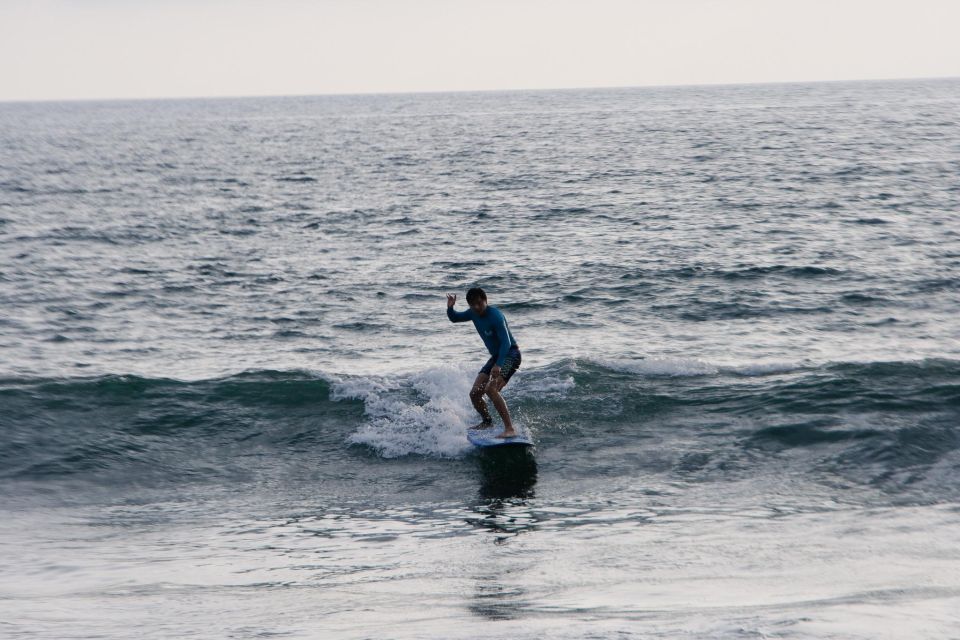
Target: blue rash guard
[(492, 327)]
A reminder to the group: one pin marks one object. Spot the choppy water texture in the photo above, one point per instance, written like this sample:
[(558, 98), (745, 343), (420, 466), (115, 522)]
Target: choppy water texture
[(231, 404)]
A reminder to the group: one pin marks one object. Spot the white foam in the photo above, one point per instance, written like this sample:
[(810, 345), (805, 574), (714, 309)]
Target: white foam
[(763, 368), (526, 385), (359, 388), (661, 366), (422, 413), (695, 367)]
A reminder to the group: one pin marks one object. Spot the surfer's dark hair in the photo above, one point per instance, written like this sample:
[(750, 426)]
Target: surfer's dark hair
[(475, 294)]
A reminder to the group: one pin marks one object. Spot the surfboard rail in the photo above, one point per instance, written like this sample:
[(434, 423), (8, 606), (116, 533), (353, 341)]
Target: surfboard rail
[(485, 438)]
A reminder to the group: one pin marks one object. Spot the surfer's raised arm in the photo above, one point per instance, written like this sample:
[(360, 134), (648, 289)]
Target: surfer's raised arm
[(456, 316)]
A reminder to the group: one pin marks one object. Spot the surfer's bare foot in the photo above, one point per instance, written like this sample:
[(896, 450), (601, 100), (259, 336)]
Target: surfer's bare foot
[(482, 425), (507, 433)]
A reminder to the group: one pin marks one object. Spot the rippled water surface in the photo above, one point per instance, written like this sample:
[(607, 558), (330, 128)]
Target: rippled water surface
[(231, 403)]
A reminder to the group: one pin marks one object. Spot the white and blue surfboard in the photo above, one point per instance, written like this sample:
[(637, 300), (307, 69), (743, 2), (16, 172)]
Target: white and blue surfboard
[(486, 438)]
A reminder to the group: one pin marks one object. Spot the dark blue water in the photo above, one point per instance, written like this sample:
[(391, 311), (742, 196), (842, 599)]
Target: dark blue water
[(231, 404)]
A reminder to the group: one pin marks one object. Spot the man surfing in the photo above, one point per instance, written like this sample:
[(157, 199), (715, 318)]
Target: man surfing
[(504, 356)]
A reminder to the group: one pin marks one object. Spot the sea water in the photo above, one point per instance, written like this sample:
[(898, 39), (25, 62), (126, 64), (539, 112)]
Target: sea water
[(232, 405)]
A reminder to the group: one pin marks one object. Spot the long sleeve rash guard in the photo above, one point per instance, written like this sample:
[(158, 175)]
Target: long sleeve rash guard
[(492, 327)]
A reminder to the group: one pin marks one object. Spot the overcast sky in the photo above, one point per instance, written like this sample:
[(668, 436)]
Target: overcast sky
[(65, 49)]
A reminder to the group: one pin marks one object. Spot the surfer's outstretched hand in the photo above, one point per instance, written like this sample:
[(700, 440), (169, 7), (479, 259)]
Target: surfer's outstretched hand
[(451, 299)]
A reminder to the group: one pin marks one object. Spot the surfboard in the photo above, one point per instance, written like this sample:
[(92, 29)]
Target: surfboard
[(486, 438)]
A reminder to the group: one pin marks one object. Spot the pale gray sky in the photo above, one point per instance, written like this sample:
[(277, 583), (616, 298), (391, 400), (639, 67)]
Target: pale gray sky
[(63, 49)]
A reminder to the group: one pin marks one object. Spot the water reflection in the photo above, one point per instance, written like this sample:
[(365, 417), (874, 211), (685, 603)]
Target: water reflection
[(507, 472), (494, 600), (508, 476)]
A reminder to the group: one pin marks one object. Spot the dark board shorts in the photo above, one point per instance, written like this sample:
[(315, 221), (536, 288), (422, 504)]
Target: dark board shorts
[(510, 364)]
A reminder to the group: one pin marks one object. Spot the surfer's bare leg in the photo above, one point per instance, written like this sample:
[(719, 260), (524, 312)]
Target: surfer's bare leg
[(493, 390), (476, 397)]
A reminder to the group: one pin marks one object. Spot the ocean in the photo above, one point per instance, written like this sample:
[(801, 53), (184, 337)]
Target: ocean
[(232, 405)]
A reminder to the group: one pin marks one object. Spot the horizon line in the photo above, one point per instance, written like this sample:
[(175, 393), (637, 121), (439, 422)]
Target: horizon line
[(443, 91)]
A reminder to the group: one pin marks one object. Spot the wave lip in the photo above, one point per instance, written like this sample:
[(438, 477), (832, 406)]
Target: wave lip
[(658, 366)]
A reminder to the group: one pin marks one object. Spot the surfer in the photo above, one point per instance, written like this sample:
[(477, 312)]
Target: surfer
[(504, 356)]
